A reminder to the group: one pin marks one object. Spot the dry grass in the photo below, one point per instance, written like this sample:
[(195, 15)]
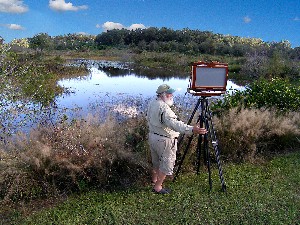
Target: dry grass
[(78, 155), (71, 157), (246, 133)]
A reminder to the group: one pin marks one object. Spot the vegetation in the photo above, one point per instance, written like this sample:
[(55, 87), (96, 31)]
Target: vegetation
[(252, 134), (251, 57), (266, 193), (264, 94), (74, 156), (70, 157), (43, 41), (261, 119), (78, 156), (32, 76), (28, 84)]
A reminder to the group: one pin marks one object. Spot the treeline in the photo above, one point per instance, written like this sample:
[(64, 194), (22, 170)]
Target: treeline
[(251, 57), (190, 41), (77, 42), (163, 40)]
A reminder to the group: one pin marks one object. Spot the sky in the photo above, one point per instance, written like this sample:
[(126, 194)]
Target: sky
[(269, 20)]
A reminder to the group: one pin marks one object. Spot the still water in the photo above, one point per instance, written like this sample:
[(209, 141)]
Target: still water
[(98, 84), (119, 93)]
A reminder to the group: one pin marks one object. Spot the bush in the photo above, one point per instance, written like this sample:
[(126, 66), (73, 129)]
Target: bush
[(277, 93), (246, 133), (269, 65), (71, 157)]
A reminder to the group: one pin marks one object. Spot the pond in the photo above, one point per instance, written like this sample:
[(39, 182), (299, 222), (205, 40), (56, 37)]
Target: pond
[(108, 88), (100, 84)]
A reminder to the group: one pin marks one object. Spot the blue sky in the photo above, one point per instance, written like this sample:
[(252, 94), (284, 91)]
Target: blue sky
[(269, 20)]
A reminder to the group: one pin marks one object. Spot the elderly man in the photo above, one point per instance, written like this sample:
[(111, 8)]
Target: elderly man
[(164, 129)]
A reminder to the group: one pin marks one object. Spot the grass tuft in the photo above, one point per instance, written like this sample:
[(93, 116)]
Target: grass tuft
[(247, 133), (70, 157)]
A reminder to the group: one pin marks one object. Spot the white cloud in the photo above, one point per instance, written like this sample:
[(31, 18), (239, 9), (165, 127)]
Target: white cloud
[(112, 25), (247, 19), (12, 6), (136, 26), (61, 5), (15, 27)]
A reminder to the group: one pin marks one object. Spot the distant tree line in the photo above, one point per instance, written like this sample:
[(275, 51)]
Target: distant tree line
[(165, 40), (79, 42), (259, 58), (190, 41)]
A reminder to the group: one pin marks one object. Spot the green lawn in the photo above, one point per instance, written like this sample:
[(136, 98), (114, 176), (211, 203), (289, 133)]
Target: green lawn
[(268, 193)]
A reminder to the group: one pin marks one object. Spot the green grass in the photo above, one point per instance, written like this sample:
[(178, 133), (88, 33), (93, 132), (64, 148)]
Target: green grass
[(268, 193)]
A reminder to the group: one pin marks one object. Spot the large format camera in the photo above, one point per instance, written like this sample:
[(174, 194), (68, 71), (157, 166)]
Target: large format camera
[(208, 78)]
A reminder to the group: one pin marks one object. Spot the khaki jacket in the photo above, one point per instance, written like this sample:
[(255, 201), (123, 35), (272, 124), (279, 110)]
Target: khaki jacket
[(163, 121)]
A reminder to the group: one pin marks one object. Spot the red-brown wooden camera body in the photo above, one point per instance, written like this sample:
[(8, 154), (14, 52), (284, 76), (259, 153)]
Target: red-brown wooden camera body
[(209, 77)]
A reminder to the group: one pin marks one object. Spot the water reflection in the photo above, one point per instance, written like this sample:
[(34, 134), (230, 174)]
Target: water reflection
[(99, 84), (115, 68), (122, 94)]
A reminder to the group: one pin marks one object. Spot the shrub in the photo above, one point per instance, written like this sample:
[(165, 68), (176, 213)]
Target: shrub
[(255, 65), (136, 134), (244, 134), (277, 93), (16, 182), (269, 65), (71, 157)]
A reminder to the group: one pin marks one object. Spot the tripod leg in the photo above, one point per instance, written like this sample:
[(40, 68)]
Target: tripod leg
[(219, 166), (215, 145), (190, 120), (207, 155), (183, 157), (189, 142), (200, 138), (194, 111), (204, 106), (199, 152)]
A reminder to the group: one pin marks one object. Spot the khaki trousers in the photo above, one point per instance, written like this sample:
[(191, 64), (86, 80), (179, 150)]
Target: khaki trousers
[(163, 152)]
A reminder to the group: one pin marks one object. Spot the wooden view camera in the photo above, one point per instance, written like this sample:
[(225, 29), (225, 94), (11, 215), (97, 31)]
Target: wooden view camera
[(208, 78)]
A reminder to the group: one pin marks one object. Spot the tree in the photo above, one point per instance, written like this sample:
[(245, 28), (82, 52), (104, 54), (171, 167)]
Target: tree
[(112, 37), (150, 34), (295, 53), (40, 42), (191, 42)]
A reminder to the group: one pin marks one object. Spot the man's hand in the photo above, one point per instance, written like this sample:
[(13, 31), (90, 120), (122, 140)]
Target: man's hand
[(198, 130)]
